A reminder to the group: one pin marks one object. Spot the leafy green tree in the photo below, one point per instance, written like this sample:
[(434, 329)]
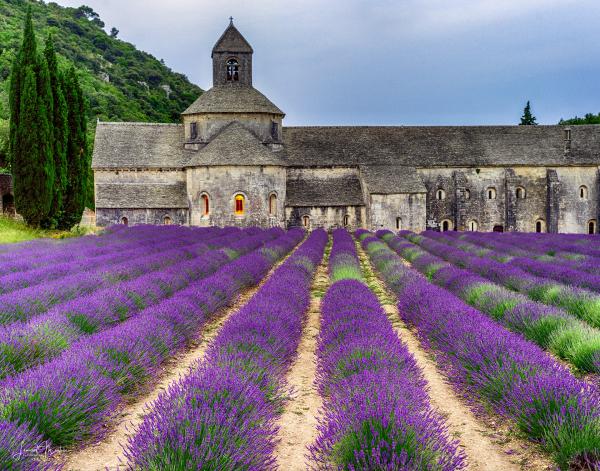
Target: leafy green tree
[(59, 140), (589, 118), (528, 119), (77, 152), (31, 136)]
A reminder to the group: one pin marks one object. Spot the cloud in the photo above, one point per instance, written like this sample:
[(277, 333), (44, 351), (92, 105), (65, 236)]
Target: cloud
[(387, 61)]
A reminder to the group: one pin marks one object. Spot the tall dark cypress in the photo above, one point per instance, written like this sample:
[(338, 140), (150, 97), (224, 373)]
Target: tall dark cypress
[(59, 129), (31, 133), (77, 153)]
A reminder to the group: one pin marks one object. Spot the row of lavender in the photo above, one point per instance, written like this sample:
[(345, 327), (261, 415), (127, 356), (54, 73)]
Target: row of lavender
[(551, 328), (27, 344), (69, 398), (583, 274), (36, 254), (107, 263), (498, 368), (555, 249), (376, 409), (23, 304), (222, 416), (581, 303), (564, 245)]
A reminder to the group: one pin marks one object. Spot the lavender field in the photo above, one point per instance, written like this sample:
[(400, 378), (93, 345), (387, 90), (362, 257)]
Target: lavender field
[(176, 348)]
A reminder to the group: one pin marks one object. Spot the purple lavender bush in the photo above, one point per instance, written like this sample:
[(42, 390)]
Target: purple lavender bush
[(376, 411), (68, 399), (499, 368), (222, 416)]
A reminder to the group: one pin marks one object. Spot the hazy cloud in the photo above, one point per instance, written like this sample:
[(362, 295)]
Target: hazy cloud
[(387, 61)]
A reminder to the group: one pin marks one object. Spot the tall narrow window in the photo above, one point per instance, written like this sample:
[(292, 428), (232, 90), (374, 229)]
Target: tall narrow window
[(233, 70), (491, 193), (473, 226), (398, 223), (205, 205), (239, 205), (167, 221), (273, 204), (467, 194), (583, 192), (540, 225), (306, 221), (193, 131), (592, 226), (440, 195), (346, 220), (275, 130), (124, 221), (520, 193)]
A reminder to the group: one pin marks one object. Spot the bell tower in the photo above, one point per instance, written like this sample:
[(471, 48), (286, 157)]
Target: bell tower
[(232, 59)]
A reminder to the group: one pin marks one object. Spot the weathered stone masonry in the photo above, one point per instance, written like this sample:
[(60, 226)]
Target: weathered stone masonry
[(232, 162)]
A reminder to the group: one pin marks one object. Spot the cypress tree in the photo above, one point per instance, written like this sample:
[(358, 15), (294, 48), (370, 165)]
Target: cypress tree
[(528, 119), (59, 139), (31, 133), (77, 154)]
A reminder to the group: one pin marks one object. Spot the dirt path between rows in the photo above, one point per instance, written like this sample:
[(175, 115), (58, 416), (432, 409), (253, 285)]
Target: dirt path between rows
[(108, 453), (482, 452), (298, 423)]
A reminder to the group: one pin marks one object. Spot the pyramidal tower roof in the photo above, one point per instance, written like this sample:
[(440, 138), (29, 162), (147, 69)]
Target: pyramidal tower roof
[(232, 41)]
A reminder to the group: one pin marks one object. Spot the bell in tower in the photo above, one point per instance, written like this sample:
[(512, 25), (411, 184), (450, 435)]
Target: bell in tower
[(232, 59)]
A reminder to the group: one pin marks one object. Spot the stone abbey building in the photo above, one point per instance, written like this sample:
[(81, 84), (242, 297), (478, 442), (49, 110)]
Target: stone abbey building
[(232, 162)]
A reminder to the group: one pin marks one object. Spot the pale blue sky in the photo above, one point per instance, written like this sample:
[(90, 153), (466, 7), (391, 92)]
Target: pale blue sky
[(390, 62)]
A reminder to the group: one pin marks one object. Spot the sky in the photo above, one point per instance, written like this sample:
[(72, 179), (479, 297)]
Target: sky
[(386, 62)]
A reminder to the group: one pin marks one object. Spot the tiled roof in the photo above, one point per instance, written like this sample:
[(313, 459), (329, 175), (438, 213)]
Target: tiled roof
[(141, 195), (331, 191), (235, 145), (233, 99)]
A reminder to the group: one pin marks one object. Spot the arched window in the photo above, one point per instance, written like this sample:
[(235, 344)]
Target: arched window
[(491, 193), (124, 221), (233, 70), (346, 220), (592, 226), (306, 220), (473, 226), (273, 204), (540, 225), (583, 192), (446, 225), (440, 195), (467, 194), (240, 203), (205, 202), (520, 193), (398, 223), (167, 221)]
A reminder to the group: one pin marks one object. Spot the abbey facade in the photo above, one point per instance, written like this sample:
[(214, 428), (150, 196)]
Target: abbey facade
[(232, 162)]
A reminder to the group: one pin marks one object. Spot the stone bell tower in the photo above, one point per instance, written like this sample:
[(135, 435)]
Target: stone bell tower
[(232, 97), (232, 59)]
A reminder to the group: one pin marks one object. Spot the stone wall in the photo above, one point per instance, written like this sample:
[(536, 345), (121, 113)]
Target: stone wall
[(223, 183), (575, 212), (550, 196), (326, 217), (400, 211), (210, 124), (109, 216), (139, 176)]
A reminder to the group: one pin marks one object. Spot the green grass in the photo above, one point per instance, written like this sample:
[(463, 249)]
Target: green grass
[(12, 231)]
